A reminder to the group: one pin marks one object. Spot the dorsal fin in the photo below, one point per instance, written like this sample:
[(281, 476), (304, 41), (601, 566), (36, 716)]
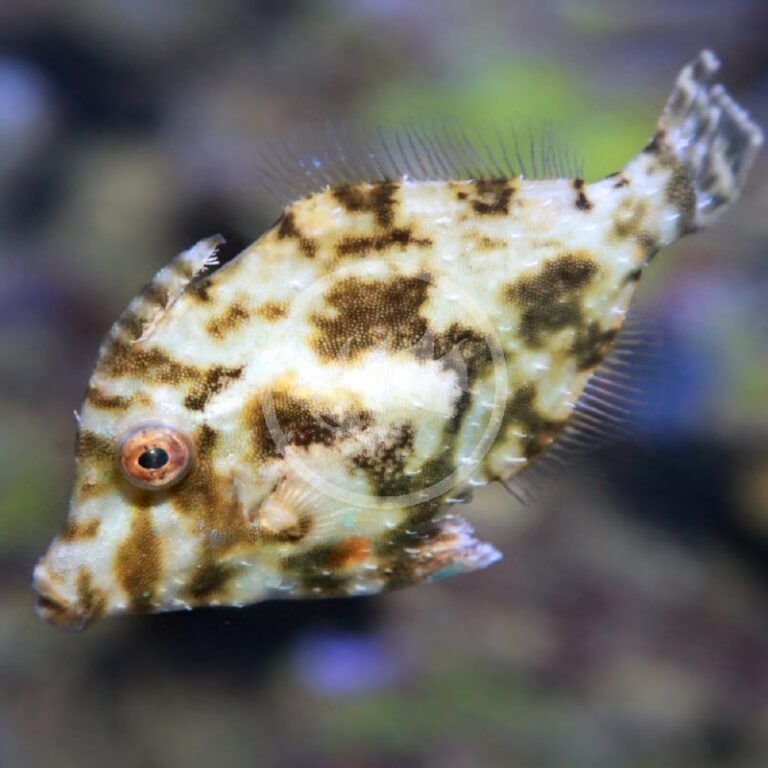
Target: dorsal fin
[(614, 394), (423, 150)]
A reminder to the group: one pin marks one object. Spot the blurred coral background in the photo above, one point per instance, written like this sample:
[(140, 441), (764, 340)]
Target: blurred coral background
[(627, 626)]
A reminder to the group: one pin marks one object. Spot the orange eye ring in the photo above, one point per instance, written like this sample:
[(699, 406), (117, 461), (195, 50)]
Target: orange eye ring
[(154, 455)]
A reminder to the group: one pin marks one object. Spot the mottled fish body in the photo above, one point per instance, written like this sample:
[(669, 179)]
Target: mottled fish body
[(301, 420)]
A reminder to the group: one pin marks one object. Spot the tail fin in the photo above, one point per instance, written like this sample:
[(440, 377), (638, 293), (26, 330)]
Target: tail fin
[(710, 135)]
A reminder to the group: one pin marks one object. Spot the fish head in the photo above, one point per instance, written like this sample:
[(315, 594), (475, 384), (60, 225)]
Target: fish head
[(158, 520), (167, 482)]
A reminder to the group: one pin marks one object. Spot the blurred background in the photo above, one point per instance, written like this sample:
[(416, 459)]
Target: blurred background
[(627, 626)]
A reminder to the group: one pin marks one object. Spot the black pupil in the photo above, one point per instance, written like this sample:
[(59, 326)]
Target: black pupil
[(153, 458)]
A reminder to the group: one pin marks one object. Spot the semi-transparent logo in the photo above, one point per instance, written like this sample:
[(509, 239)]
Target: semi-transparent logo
[(423, 368)]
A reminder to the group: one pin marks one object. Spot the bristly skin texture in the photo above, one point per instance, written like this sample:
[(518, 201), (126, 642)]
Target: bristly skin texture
[(382, 349)]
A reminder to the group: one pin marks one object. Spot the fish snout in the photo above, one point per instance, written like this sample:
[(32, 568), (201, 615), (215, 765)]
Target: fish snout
[(54, 607)]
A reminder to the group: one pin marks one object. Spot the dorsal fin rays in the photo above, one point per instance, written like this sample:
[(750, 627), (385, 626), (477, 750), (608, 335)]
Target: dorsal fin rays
[(614, 394), (437, 149)]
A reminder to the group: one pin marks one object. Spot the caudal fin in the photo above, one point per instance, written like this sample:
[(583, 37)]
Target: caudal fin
[(710, 135)]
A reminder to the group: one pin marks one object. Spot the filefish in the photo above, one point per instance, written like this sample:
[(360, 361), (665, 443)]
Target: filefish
[(421, 320)]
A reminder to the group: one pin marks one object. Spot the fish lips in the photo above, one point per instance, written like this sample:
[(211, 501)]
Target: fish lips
[(54, 608)]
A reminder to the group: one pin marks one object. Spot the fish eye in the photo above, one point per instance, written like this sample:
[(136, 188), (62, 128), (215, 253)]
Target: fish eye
[(154, 458), (154, 455)]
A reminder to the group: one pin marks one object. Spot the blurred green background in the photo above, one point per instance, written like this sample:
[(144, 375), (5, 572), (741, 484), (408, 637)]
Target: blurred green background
[(627, 626)]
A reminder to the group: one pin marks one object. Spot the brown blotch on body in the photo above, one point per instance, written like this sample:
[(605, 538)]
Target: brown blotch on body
[(89, 489), (550, 243), (216, 379), (90, 446), (230, 320), (288, 229), (98, 454), (286, 226), (491, 197), (378, 198), (156, 366), (210, 499), (98, 399), (320, 571), (139, 561), (466, 352), (395, 237), (299, 423), (591, 345), (629, 220), (521, 412), (209, 580), (92, 602), (370, 314), (308, 247), (401, 550), (648, 243), (462, 349), (583, 203), (200, 492), (75, 530), (485, 243), (153, 365), (550, 300), (334, 557), (272, 311), (385, 463), (351, 551), (207, 437)]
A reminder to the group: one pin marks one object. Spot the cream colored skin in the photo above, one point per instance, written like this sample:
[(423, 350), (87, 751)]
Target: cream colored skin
[(381, 350)]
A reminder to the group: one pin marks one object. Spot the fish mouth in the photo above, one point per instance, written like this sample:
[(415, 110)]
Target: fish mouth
[(55, 609)]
